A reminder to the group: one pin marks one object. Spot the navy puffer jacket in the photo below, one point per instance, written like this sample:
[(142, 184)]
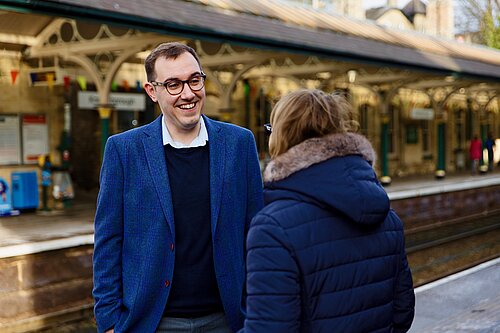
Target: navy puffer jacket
[(327, 253)]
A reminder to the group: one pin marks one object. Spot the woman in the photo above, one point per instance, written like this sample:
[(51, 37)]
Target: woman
[(475, 152), (326, 254)]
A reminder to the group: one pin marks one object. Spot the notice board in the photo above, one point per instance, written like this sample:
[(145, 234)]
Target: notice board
[(10, 142), (35, 137)]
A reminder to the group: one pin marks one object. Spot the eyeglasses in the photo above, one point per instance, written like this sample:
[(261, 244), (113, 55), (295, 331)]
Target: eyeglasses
[(175, 87), (268, 129)]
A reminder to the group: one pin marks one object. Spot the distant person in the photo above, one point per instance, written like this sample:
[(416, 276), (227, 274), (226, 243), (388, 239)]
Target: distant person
[(326, 254), (175, 204), (475, 152), (489, 145)]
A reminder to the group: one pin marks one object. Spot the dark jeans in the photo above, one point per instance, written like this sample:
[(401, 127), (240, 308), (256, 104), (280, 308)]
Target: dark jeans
[(214, 323)]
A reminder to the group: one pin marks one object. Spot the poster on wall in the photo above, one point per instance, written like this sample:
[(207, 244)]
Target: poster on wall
[(35, 137), (10, 142)]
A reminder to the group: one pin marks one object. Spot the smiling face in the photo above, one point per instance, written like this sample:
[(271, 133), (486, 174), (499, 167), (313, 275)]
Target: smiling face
[(181, 112)]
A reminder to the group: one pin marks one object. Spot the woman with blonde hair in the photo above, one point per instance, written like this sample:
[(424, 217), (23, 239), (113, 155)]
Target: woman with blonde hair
[(327, 253)]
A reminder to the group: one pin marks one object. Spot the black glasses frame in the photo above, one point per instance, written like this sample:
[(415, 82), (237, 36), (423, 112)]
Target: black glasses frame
[(268, 129), (203, 76)]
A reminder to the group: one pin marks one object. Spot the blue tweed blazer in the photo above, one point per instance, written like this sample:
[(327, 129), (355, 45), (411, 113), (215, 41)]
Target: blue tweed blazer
[(134, 224)]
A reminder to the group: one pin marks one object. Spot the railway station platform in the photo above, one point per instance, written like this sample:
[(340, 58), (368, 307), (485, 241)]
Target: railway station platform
[(466, 302), (31, 233), (46, 262)]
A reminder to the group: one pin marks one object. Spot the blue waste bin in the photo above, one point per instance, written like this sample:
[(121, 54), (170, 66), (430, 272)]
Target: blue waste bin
[(24, 190)]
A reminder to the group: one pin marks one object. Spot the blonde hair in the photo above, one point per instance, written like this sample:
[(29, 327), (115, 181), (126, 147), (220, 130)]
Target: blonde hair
[(306, 114)]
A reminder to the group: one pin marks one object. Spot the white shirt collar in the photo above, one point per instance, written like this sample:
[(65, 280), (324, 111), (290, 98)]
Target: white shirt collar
[(199, 141)]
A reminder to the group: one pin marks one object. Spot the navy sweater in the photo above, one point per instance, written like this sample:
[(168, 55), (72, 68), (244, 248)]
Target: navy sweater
[(194, 290)]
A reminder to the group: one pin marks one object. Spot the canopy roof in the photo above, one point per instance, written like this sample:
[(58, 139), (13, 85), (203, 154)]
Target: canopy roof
[(274, 24)]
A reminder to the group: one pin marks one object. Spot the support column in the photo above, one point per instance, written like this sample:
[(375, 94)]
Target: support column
[(247, 103), (441, 158), (484, 128), (104, 114), (384, 151), (469, 120)]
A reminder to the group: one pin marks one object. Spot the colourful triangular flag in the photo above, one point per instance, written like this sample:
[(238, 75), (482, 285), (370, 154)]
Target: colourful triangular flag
[(126, 86), (67, 82), (13, 75), (82, 82)]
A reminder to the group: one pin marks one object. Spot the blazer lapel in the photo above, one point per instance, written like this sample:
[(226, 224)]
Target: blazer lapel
[(155, 155), (216, 142)]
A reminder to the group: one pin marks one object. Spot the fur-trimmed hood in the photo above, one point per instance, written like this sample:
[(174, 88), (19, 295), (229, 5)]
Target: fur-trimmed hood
[(333, 171), (317, 150)]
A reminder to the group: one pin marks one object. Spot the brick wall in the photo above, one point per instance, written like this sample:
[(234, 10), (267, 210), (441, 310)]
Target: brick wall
[(38, 284), (425, 210)]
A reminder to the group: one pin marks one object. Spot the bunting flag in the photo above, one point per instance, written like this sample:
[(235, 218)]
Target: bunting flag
[(33, 78), (126, 86), (13, 75), (50, 80), (138, 85), (67, 82), (82, 82), (114, 86)]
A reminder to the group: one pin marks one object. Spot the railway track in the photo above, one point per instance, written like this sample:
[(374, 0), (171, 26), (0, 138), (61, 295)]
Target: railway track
[(434, 251), (444, 249)]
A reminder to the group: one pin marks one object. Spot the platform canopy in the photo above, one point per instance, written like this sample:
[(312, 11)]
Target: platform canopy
[(256, 37)]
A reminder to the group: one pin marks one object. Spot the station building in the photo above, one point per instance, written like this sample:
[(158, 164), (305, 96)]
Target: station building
[(72, 74)]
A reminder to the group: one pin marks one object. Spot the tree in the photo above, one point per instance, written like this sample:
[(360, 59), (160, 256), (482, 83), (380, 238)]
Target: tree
[(482, 16)]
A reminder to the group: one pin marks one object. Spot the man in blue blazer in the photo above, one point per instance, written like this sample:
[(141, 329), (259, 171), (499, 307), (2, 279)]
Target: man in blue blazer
[(175, 202)]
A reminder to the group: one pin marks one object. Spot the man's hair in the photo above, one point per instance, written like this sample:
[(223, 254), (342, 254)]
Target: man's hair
[(170, 50), (306, 114)]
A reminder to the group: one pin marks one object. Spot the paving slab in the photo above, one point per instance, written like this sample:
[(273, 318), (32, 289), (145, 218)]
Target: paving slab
[(468, 301)]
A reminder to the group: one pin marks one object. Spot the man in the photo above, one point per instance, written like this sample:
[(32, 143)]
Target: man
[(175, 202), (490, 145)]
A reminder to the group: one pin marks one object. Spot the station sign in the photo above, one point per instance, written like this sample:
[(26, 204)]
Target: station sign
[(120, 101), (422, 113)]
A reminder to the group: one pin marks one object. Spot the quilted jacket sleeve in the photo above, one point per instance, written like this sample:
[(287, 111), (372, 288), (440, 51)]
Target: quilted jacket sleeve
[(404, 298), (273, 301)]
